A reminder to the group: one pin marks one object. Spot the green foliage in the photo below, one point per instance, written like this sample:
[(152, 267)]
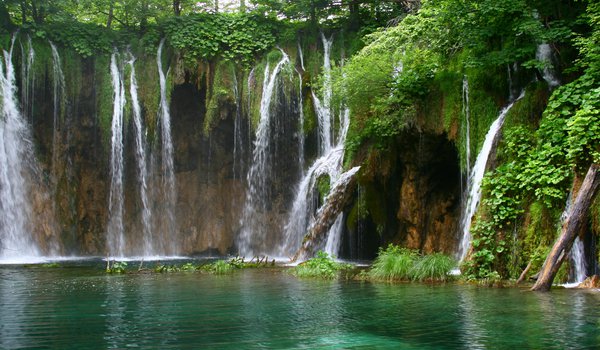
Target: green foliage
[(219, 267), (84, 38), (323, 186), (236, 37), (118, 267), (321, 266)]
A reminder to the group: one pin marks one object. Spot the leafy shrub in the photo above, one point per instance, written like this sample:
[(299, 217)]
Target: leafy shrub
[(322, 266), (118, 267)]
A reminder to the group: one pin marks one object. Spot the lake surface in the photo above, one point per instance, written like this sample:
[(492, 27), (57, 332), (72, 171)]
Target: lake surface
[(78, 306)]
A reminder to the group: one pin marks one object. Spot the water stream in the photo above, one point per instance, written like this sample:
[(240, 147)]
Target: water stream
[(58, 93), (169, 228), (253, 218), (329, 163), (115, 229), (16, 155), (475, 178), (544, 55), (142, 166)]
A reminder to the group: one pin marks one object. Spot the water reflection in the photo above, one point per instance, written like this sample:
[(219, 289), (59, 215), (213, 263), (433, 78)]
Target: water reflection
[(79, 308)]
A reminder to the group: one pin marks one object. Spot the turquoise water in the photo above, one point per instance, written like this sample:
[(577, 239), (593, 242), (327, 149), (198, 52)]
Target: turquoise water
[(80, 307)]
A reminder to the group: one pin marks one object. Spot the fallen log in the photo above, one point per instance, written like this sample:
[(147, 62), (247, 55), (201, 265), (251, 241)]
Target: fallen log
[(335, 202), (570, 229)]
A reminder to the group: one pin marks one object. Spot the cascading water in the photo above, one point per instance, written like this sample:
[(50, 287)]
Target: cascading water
[(475, 178), (334, 240), (578, 258), (544, 55), (16, 240), (577, 254), (58, 98), (300, 133), (301, 56), (168, 166), (329, 163), (27, 80), (142, 166), (323, 108), (115, 234), (253, 230)]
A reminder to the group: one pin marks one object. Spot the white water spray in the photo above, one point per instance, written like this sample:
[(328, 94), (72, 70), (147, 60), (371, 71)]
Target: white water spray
[(329, 163), (475, 178), (334, 239), (116, 238), (16, 151), (253, 230), (58, 99), (142, 166), (323, 108), (544, 55), (168, 167)]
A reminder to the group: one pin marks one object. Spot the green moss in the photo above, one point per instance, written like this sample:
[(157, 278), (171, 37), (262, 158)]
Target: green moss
[(104, 98), (221, 95), (528, 110), (148, 92), (323, 186)]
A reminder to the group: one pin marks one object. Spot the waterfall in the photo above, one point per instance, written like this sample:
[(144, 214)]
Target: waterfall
[(334, 240), (116, 238), (16, 153), (142, 166), (578, 257), (253, 229), (467, 113), (544, 55), (475, 178), (301, 58), (58, 88), (577, 253), (27, 80), (323, 108), (300, 133), (168, 167), (329, 163)]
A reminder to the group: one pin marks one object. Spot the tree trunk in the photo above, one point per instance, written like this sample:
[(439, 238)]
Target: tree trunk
[(176, 7), (111, 10), (570, 229)]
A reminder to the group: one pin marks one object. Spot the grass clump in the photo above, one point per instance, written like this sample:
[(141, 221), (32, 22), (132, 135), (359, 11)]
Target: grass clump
[(395, 263), (434, 267), (219, 267), (321, 266)]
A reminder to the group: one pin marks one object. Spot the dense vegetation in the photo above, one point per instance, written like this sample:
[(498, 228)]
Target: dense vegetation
[(408, 74)]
